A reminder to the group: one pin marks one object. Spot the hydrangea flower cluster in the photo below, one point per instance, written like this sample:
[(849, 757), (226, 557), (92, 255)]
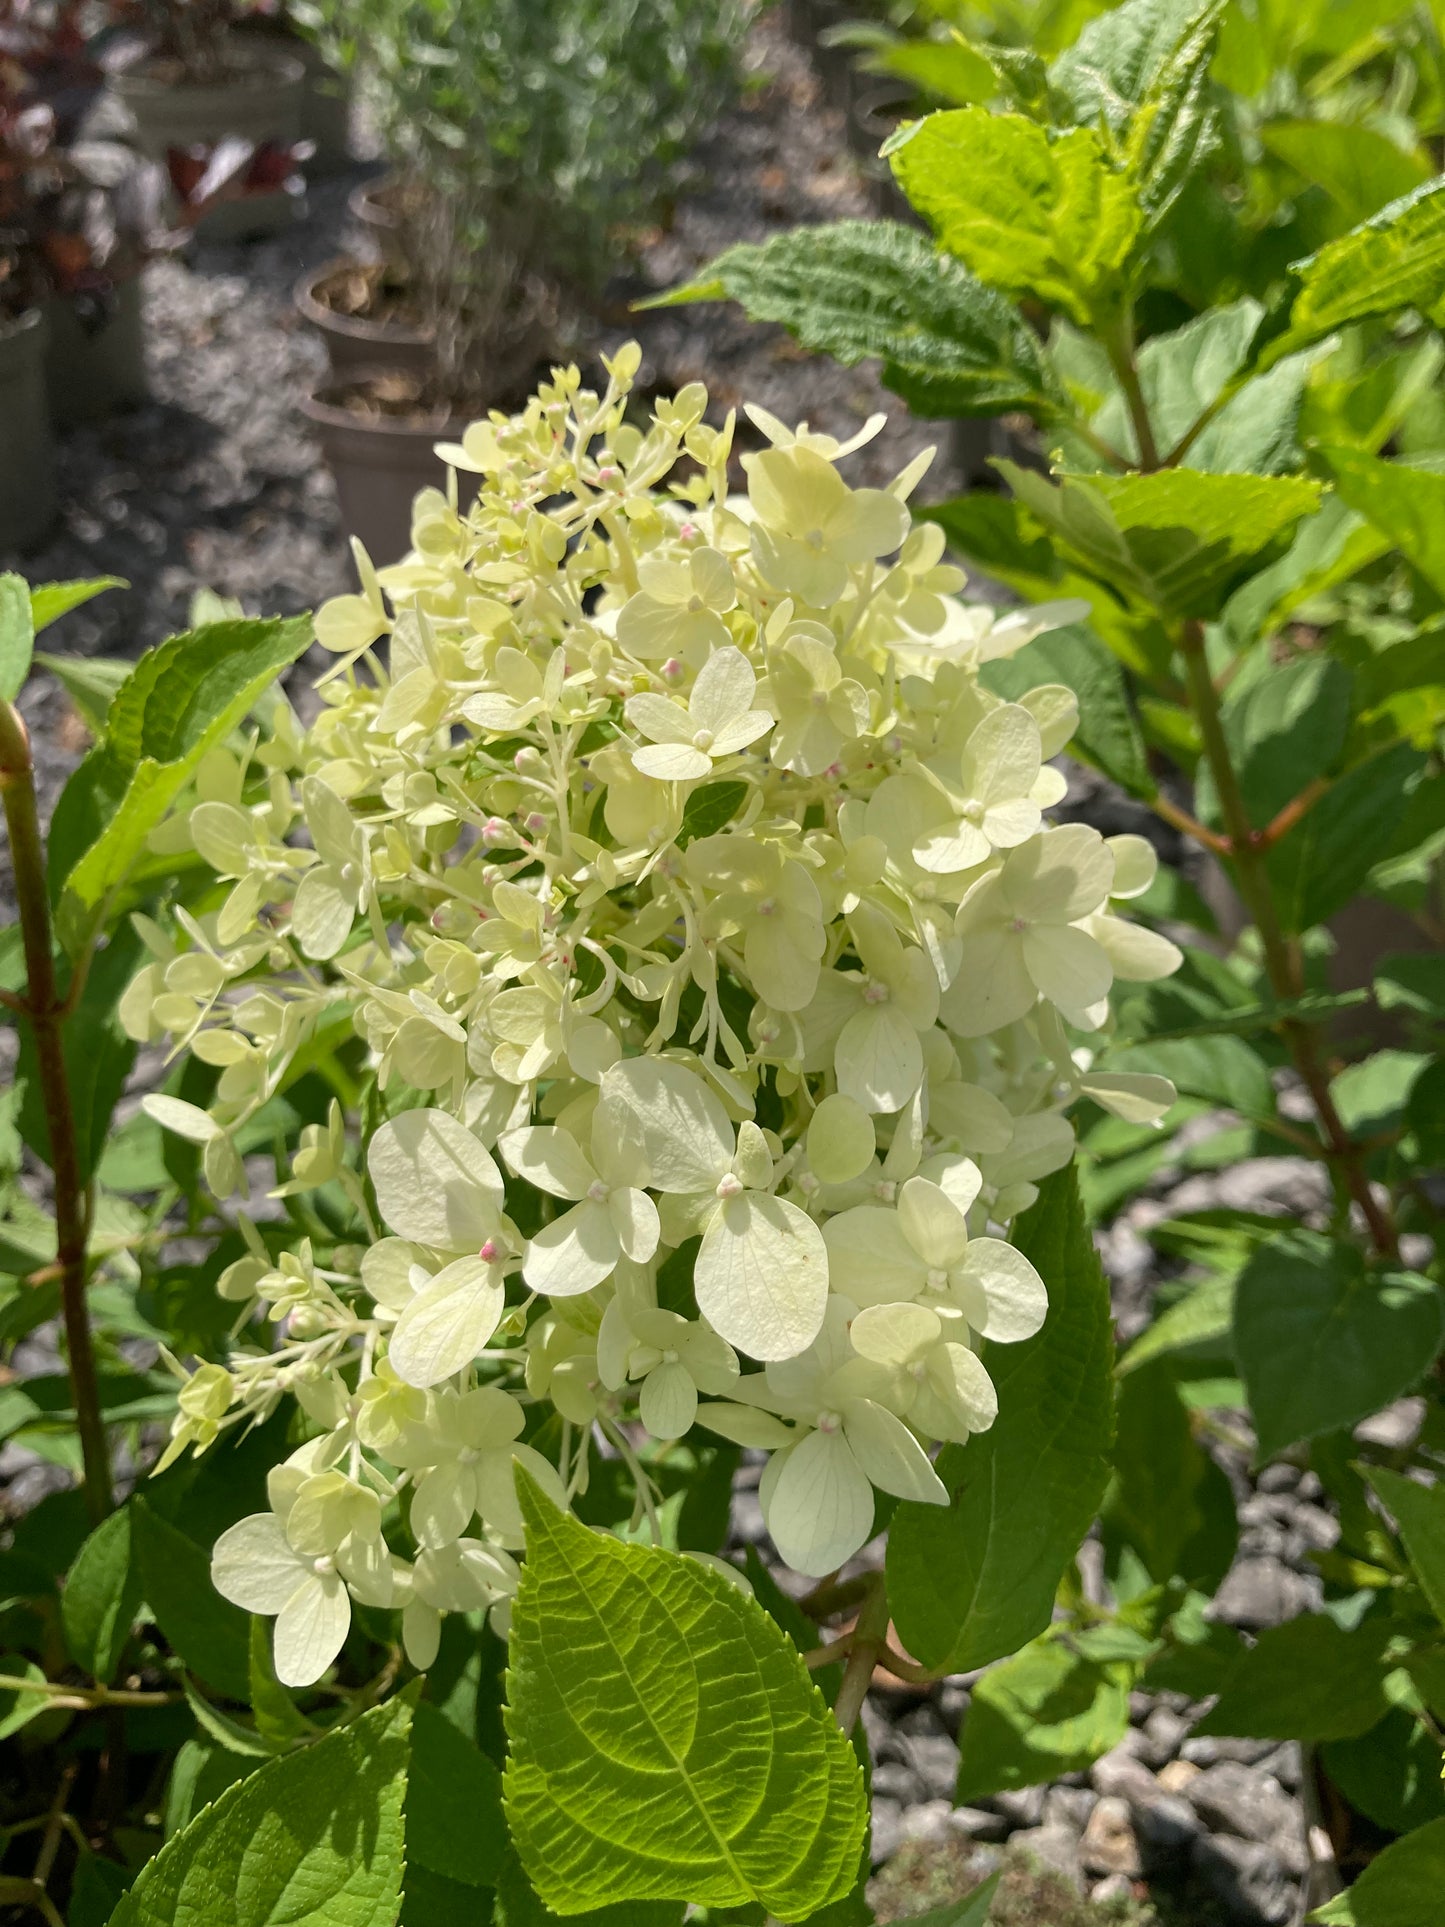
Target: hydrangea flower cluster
[(723, 988)]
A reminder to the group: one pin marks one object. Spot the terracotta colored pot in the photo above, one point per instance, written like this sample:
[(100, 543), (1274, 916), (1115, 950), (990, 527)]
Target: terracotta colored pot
[(27, 449), (354, 343), (93, 372), (378, 465), (260, 98)]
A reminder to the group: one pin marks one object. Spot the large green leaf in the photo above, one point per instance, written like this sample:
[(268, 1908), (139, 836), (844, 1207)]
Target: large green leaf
[(1181, 540), (317, 1836), (49, 601), (179, 701), (90, 682), (1169, 1502), (972, 1583), (98, 1058), (1045, 1712), (101, 1598), (1284, 729), (1051, 219), (1419, 1512), (1323, 1340), (1401, 1887), (854, 289), (210, 1634), (1394, 260), (1309, 1679), (1405, 503), (1326, 857), (1203, 1316), (454, 1824), (665, 1739), (1108, 733), (1357, 166)]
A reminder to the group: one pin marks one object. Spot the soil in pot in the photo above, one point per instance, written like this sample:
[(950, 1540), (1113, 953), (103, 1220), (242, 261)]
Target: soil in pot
[(378, 432), (95, 355), (259, 98), (367, 318), (27, 448)]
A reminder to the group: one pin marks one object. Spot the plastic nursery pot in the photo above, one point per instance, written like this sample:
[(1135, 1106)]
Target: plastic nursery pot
[(379, 209), (354, 341), (377, 459), (95, 364), (260, 98), (27, 449)]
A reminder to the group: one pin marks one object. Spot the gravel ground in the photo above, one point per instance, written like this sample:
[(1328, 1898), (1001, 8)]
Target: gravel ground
[(216, 482)]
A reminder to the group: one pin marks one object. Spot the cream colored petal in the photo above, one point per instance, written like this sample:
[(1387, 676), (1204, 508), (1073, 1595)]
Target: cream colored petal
[(574, 1253), (435, 1182), (819, 1508), (311, 1629), (761, 1276), (447, 1324), (668, 1403), (889, 1455), (1068, 966)]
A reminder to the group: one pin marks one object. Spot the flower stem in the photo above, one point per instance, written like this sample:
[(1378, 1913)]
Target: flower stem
[(870, 1640), (45, 1011)]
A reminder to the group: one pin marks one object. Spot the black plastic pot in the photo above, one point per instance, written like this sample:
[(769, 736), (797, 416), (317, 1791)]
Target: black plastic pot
[(95, 365), (27, 448), (260, 98), (378, 465)]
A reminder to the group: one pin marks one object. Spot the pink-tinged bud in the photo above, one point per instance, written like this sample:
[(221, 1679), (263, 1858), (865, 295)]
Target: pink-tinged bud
[(488, 1251), (536, 822), (689, 532), (496, 830), (609, 475), (672, 669)]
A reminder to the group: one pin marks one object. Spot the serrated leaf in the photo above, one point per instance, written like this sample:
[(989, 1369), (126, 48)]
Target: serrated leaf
[(1309, 1679), (649, 1701), (1284, 729), (101, 1598), (454, 1824), (1045, 1712), (1419, 1513), (1405, 503), (1394, 260), (317, 1836), (1223, 1069), (517, 1905), (17, 635), (1181, 540), (972, 1583), (1322, 1340), (1050, 219), (1108, 734), (49, 601), (1361, 169), (1206, 1314), (1326, 857), (1401, 1887), (89, 681), (856, 289), (210, 1635), (179, 701)]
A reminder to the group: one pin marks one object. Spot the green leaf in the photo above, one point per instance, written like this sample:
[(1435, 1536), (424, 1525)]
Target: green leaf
[(454, 1824), (17, 635), (1108, 734), (1166, 1502), (1359, 168), (1322, 1341), (49, 601), (279, 1722), (1391, 1774), (1419, 1513), (1309, 1679), (1180, 540), (1413, 981), (1401, 1887), (1394, 260), (856, 289), (317, 1836), (708, 809), (200, 1772), (1373, 1095), (972, 1583), (96, 1887), (1326, 857), (650, 1702), (19, 1708), (1223, 1069), (973, 1910), (90, 682), (517, 1905), (1284, 729), (98, 1057), (179, 702), (210, 1634), (1206, 1314), (1050, 219), (1045, 1712), (1403, 502), (102, 1597)]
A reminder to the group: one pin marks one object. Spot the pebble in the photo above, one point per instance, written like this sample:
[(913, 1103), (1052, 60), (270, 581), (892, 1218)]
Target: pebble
[(1055, 1847), (1248, 1880), (1109, 1844)]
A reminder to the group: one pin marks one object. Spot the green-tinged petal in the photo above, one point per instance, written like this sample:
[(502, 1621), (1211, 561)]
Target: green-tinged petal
[(888, 1453), (841, 1140), (549, 1158), (895, 1334), (819, 1505), (869, 1258), (1061, 875), (668, 1403), (1069, 968), (686, 1135), (932, 1224), (448, 1323), (761, 1276), (574, 1253), (1015, 1298), (435, 1182), (311, 1629), (255, 1566)]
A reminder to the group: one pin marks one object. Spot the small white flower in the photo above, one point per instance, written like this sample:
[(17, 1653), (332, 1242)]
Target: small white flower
[(719, 720)]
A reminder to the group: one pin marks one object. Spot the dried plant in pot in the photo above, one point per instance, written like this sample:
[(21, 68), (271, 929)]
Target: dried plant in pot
[(223, 110), (527, 136)]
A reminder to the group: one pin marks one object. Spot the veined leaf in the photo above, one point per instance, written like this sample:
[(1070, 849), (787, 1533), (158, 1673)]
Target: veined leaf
[(98, 1058), (1419, 1512), (101, 1598), (1394, 260), (1401, 1887), (1274, 1688), (948, 344), (178, 702), (49, 601), (1323, 1341), (90, 682), (1361, 169), (972, 1583), (1044, 1712), (210, 1634), (665, 1739), (1053, 219), (1205, 1315), (315, 1836), (1325, 858), (1407, 504)]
